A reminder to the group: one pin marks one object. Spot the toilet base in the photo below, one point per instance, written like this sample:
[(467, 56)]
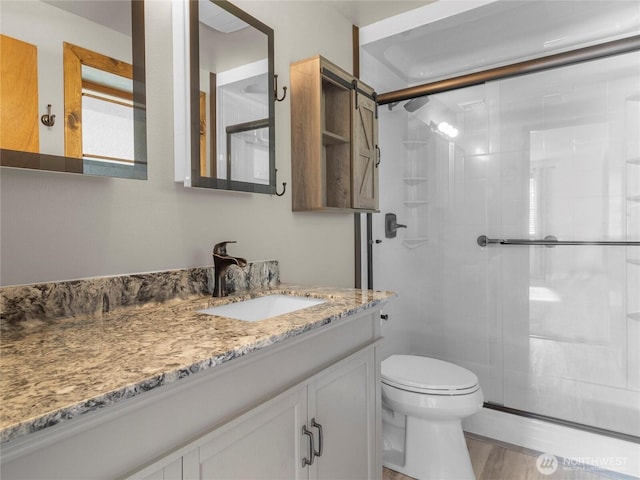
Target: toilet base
[(434, 450)]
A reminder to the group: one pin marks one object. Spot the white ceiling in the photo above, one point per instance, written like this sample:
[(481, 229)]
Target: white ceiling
[(115, 15), (502, 32), (365, 12), (358, 12)]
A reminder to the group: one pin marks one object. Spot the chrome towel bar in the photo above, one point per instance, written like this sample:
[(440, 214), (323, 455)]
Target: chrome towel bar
[(548, 241)]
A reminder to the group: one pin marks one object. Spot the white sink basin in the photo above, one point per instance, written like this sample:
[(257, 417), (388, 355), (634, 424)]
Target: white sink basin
[(261, 308)]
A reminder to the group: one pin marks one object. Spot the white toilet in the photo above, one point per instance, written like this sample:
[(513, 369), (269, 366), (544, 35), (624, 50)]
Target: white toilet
[(424, 401)]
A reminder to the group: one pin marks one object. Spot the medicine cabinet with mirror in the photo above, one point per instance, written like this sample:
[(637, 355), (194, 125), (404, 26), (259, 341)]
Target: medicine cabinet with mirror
[(72, 87), (230, 142)]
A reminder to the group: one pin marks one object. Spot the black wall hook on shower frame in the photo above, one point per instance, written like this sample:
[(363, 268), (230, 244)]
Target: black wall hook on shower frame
[(275, 91), (284, 185)]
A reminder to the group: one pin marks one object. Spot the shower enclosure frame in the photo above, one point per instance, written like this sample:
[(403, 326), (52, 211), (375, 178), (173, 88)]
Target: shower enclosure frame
[(570, 57)]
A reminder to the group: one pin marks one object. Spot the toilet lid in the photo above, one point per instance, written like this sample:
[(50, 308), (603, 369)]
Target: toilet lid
[(427, 375)]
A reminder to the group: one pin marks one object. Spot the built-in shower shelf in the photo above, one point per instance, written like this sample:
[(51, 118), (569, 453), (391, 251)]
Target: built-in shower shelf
[(634, 316), (393, 456), (634, 161), (634, 261), (414, 180), (415, 143), (416, 203), (414, 242), (634, 97), (633, 198)]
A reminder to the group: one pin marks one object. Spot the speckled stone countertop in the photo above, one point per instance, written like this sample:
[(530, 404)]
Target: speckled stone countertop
[(52, 372)]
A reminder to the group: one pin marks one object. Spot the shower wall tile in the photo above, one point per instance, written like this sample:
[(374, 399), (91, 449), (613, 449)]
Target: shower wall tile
[(474, 209), (633, 349)]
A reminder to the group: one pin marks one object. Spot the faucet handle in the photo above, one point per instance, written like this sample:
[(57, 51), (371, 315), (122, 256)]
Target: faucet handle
[(221, 248)]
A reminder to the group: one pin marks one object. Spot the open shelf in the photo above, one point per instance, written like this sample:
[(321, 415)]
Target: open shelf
[(414, 242), (413, 144), (415, 203), (414, 180), (330, 138), (634, 316), (331, 165)]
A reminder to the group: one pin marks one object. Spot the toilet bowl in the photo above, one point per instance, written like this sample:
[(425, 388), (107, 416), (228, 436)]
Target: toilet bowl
[(424, 401)]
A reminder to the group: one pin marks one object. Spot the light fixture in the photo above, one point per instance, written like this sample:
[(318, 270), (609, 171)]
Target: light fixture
[(447, 129), (416, 103)]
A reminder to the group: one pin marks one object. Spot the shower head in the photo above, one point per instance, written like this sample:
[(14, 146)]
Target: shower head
[(416, 103)]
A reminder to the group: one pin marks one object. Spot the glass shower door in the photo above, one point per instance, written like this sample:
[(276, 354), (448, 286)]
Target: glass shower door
[(570, 169)]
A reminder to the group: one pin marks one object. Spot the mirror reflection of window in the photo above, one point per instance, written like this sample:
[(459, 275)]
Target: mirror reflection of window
[(248, 153), (242, 104), (98, 106), (107, 116)]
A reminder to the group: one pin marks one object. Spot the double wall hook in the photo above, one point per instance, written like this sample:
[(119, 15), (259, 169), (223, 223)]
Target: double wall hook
[(275, 92), (48, 119), (284, 185)]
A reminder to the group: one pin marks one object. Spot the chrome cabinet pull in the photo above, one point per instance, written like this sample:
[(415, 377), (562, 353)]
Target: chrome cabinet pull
[(319, 427), (312, 452)]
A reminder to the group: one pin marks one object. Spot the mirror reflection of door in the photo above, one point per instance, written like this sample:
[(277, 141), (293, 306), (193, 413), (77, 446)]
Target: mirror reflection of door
[(203, 135), (19, 129)]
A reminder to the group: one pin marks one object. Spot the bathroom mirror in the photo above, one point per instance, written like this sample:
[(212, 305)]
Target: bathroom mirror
[(231, 99), (73, 87)]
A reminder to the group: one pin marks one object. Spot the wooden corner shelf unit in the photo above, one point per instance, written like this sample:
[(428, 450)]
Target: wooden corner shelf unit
[(334, 139)]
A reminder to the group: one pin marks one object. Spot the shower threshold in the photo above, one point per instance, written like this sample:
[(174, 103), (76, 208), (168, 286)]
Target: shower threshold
[(566, 423)]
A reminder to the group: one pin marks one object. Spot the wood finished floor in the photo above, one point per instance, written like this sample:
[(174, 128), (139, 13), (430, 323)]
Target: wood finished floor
[(492, 461)]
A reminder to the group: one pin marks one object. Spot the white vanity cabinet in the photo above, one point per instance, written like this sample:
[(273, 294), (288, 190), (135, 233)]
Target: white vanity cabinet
[(241, 419), (337, 410), (342, 400)]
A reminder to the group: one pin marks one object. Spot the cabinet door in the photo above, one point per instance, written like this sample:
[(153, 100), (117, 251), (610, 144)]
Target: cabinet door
[(364, 174), (261, 444), (172, 471), (342, 401)]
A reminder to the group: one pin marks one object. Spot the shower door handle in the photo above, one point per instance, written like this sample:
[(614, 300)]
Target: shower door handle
[(551, 241), (391, 225)]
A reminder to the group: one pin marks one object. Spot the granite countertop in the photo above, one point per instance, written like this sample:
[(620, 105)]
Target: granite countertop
[(53, 372)]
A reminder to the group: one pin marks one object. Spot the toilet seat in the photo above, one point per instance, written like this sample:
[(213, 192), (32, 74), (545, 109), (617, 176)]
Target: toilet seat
[(428, 376)]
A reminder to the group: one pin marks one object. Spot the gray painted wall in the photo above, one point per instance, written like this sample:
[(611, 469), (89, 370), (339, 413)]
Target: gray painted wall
[(60, 227)]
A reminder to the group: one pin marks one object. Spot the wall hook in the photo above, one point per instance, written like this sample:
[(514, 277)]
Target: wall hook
[(275, 92), (284, 184), (48, 119)]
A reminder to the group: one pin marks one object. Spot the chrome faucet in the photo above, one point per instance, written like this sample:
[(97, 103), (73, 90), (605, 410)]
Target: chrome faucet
[(222, 262)]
